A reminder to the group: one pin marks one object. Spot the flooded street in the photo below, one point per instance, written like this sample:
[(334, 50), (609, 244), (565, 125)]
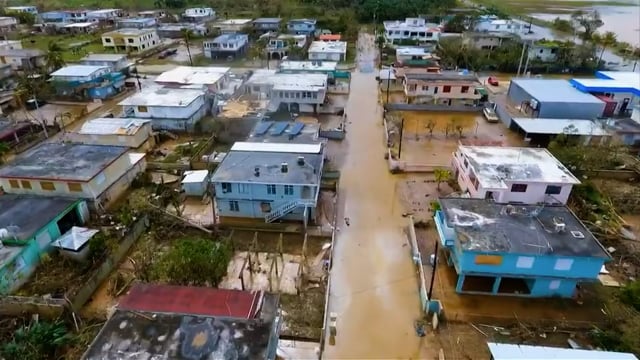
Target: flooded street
[(374, 289)]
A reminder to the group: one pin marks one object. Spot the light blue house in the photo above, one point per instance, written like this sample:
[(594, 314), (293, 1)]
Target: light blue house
[(231, 45), (268, 180), (87, 82), (28, 226), (55, 17), (301, 26), (517, 250), (115, 62)]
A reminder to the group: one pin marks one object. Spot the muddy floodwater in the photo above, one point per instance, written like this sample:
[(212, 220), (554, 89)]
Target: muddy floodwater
[(374, 289)]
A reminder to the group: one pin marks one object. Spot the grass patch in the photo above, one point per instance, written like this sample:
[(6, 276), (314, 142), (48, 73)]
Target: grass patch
[(524, 7), (75, 46), (303, 314)]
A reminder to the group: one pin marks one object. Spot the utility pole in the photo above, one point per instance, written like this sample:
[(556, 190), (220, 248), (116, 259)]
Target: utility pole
[(388, 83), (433, 271), (526, 64), (401, 133), (524, 45)]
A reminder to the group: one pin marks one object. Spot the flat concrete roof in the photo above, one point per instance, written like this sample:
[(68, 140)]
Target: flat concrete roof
[(235, 22), (28, 213), (104, 57), (240, 166), (285, 81), (62, 161), (555, 91), (610, 81), (412, 50), (329, 47), (195, 176), (494, 164), (129, 32), (112, 126), (193, 75), (524, 352), (315, 148), (167, 97), (561, 126), (78, 70), (485, 226), (310, 65)]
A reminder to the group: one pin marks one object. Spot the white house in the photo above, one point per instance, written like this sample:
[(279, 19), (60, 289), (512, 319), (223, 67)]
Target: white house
[(546, 51), (296, 92), (279, 47), (502, 25), (80, 73), (10, 44), (115, 62), (512, 174), (104, 15), (21, 9), (135, 40), (200, 14), (214, 78), (225, 46), (231, 26), (195, 182), (98, 173), (441, 88), (168, 109), (415, 29), (130, 132), (8, 23), (323, 50), (404, 53)]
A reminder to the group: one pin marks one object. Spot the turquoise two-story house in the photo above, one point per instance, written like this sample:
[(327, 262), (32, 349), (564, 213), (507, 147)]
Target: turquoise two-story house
[(269, 181), (87, 82), (517, 250), (28, 227), (302, 26)]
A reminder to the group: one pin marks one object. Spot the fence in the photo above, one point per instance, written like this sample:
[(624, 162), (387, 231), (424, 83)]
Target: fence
[(159, 165), (86, 291), (431, 107), (19, 305), (332, 134), (417, 260)]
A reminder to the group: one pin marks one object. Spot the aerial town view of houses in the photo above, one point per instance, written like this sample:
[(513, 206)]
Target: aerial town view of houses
[(330, 179)]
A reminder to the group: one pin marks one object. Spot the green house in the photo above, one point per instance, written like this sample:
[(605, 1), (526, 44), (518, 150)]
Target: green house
[(28, 226)]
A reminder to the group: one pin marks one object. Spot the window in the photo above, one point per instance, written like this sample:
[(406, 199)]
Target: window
[(47, 185), (271, 189), (25, 184), (226, 187), (233, 206), (446, 89), (488, 260), (519, 188), (107, 40), (466, 163), (75, 187), (288, 189), (265, 207), (464, 89), (425, 88), (243, 188), (100, 178), (553, 190), (525, 262), (563, 264), (142, 109), (14, 184), (130, 41), (554, 284)]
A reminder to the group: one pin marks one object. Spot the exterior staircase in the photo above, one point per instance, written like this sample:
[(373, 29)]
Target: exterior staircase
[(285, 209)]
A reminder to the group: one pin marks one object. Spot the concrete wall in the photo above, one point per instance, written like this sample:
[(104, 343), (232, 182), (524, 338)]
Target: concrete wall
[(133, 141)]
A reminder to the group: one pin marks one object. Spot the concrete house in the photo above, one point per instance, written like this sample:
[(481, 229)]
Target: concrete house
[(175, 30), (246, 323), (115, 62), (279, 47), (107, 16), (79, 28), (136, 23), (620, 90), (78, 16), (231, 26), (131, 40), (10, 44), (324, 50), (100, 174), (553, 99), (156, 14), (265, 25), (292, 92), (55, 17), (28, 226), (487, 40), (21, 9), (212, 78), (512, 174), (8, 24), (87, 82), (130, 132), (168, 109), (269, 181), (443, 89), (23, 59), (494, 25), (411, 29), (199, 15), (225, 46), (543, 50), (627, 130), (301, 27), (517, 250)]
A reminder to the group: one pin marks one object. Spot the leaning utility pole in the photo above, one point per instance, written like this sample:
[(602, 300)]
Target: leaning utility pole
[(524, 46)]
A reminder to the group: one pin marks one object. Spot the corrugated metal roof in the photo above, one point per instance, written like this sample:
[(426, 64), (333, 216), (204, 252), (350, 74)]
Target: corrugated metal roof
[(517, 352), (192, 300), (277, 147), (200, 75), (75, 238), (195, 176), (560, 126), (112, 126)]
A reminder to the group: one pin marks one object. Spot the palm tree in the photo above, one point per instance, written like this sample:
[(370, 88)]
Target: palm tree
[(605, 41), (442, 175), (53, 58), (187, 35)]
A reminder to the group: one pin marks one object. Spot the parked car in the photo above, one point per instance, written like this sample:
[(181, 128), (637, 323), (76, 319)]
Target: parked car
[(492, 81), (490, 115), (167, 53)]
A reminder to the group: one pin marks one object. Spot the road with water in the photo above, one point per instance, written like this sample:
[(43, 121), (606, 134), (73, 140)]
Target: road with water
[(374, 289)]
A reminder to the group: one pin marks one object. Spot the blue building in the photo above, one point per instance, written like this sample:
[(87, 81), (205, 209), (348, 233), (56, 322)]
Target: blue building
[(55, 17), (265, 25), (301, 26), (87, 82), (619, 89), (28, 226), (270, 181), (233, 45), (517, 250), (115, 62)]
